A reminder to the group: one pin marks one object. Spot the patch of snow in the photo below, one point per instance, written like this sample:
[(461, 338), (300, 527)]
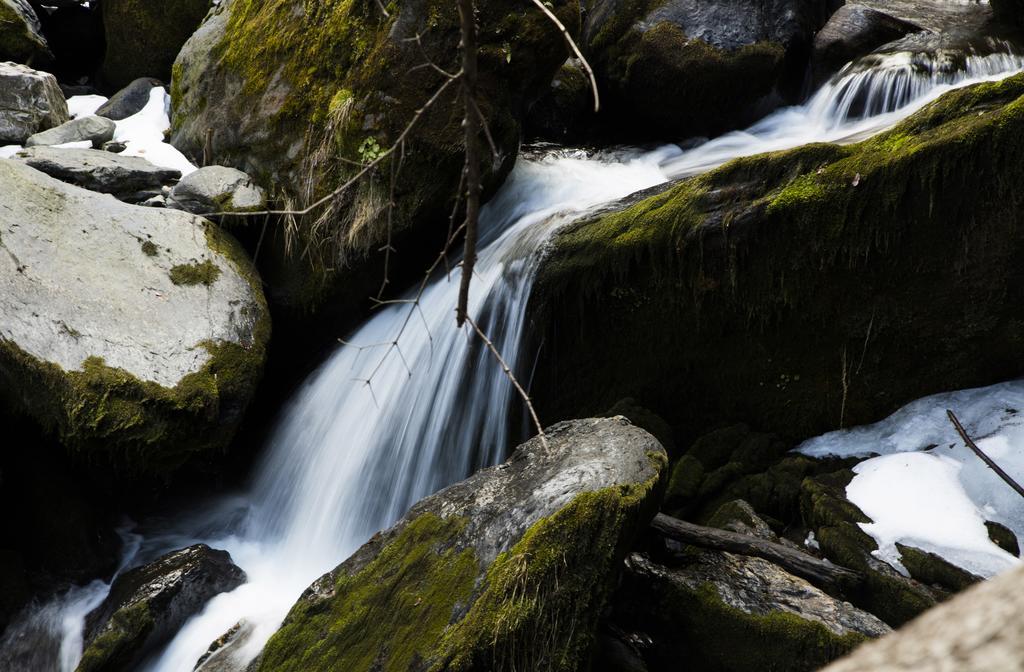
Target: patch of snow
[(7, 151), (926, 488), (918, 499), (811, 542), (83, 106), (143, 133), (77, 144)]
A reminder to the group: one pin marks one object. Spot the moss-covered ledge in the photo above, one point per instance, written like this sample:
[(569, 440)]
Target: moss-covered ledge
[(508, 570), (804, 290)]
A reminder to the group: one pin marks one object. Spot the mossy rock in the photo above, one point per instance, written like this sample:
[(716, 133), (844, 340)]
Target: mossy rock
[(298, 95), (143, 37), (21, 38), (1003, 537), (508, 570), (136, 362), (718, 611), (933, 570), (795, 290), (836, 525)]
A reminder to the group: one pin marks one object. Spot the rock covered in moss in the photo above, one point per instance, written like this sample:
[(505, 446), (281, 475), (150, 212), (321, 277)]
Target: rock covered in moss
[(684, 68), (149, 604), (30, 102), (980, 630), (796, 290), (21, 37), (143, 37), (217, 189), (298, 94), (128, 178), (101, 346), (719, 611), (836, 523), (1003, 537), (508, 569)]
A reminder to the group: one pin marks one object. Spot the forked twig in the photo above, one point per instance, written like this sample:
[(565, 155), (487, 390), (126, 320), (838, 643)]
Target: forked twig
[(982, 456), (575, 49)]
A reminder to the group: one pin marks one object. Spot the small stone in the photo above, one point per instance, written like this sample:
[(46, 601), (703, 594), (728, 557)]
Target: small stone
[(96, 130), (217, 189)]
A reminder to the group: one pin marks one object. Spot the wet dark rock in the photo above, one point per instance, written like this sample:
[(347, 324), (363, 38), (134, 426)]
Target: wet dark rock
[(684, 68), (1003, 537), (96, 130), (143, 37), (720, 611), (854, 30), (149, 604), (129, 100), (30, 102), (97, 170)]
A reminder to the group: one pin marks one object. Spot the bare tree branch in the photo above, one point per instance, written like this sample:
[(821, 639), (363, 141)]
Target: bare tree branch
[(575, 49), (984, 458), (512, 378), (471, 126)]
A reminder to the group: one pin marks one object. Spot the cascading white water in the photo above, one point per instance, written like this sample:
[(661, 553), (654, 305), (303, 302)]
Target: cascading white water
[(350, 457)]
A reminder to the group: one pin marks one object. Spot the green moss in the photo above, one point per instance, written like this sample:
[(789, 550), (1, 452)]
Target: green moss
[(150, 249), (737, 640), (542, 598), (794, 290), (205, 273), (932, 569), (17, 42), (120, 639), (1003, 537), (390, 615)]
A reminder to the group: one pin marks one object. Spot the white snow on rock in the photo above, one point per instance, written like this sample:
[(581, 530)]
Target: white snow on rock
[(926, 488), (83, 106), (144, 134)]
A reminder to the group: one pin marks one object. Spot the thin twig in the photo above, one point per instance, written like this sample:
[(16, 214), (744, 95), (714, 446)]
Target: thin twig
[(471, 128), (982, 456), (575, 49), (512, 378)]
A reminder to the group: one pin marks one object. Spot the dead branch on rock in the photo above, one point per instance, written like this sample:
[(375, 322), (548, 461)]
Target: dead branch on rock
[(831, 578), (982, 456)]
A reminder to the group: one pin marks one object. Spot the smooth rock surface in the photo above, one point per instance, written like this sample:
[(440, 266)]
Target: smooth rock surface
[(21, 37), (149, 604), (96, 130), (980, 630), (98, 170), (30, 102), (129, 100), (452, 582), (121, 327), (217, 189)]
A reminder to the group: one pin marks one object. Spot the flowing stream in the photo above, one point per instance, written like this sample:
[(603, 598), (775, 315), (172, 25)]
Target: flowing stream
[(412, 404)]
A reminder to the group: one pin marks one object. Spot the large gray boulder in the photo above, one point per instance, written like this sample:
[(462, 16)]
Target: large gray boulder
[(30, 102), (980, 630), (129, 178), (217, 189), (510, 567), (720, 611), (129, 100), (148, 604), (21, 35), (96, 130), (135, 335)]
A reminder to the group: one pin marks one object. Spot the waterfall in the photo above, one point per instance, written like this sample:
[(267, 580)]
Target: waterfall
[(411, 404)]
